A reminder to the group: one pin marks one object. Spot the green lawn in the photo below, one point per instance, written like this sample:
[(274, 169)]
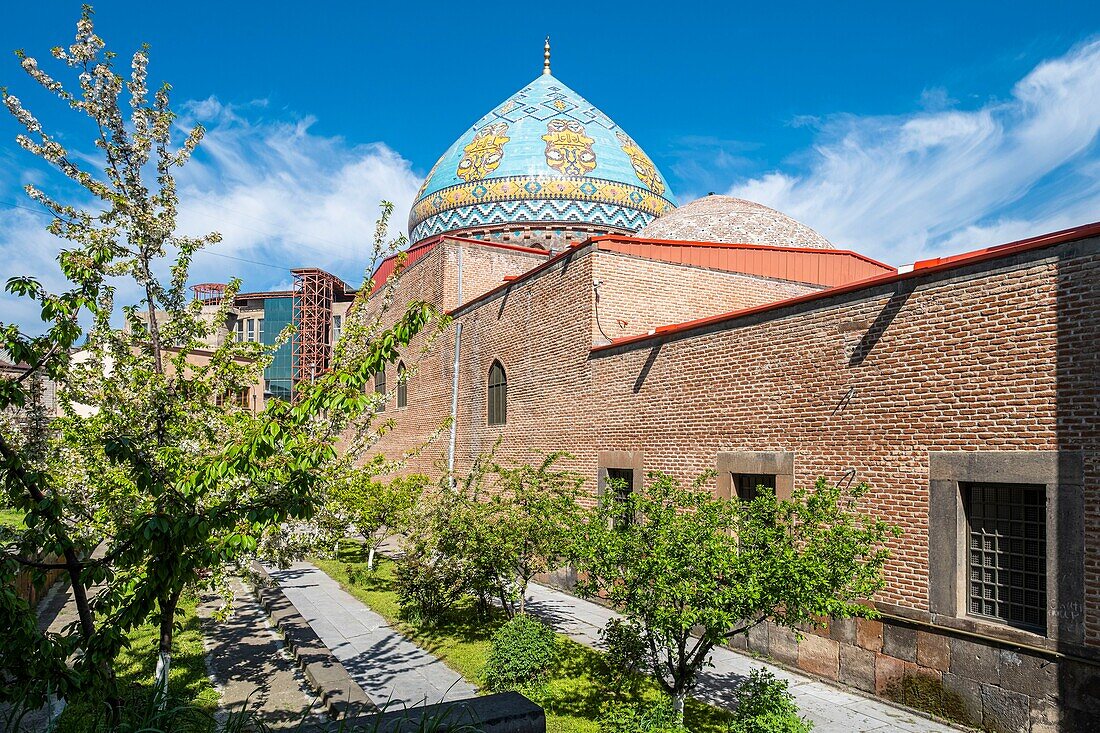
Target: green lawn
[(12, 519), (574, 696), (193, 697)]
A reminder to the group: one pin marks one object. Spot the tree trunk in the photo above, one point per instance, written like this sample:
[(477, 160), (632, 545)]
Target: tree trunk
[(370, 560), (678, 706), (164, 660)]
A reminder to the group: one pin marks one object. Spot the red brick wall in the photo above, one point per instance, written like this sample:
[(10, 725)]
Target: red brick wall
[(969, 360), (647, 293)]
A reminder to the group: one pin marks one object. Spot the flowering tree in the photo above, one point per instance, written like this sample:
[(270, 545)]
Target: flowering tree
[(375, 508), (146, 484), (692, 570)]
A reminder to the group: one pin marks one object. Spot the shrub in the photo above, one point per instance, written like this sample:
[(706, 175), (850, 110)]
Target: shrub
[(765, 706), (523, 651), (427, 589), (624, 650), (656, 717)]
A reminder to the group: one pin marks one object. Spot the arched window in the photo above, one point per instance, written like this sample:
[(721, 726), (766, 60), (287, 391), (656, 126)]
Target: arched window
[(498, 395), (380, 387), (402, 386)]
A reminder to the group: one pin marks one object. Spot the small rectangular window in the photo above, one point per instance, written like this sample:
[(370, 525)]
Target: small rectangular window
[(1006, 549), (337, 327), (747, 485), (260, 330), (621, 481), (251, 329), (240, 330)]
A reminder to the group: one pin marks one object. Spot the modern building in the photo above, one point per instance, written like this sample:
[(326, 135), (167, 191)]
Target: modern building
[(591, 314)]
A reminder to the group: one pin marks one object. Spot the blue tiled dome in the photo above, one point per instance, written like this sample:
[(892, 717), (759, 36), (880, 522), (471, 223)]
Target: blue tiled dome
[(543, 156)]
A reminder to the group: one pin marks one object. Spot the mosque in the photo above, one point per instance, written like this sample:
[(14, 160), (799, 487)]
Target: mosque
[(594, 313)]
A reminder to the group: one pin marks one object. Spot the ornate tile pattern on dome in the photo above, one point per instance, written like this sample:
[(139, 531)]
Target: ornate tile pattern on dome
[(532, 146), (568, 149), (580, 188), (643, 166), (483, 154), (532, 210)]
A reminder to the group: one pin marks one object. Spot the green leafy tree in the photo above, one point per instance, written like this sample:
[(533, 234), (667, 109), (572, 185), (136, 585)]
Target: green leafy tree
[(519, 521), (693, 570), (376, 509), (147, 484)]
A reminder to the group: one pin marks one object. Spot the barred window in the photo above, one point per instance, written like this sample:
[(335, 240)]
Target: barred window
[(621, 481), (498, 395), (747, 485), (1006, 547), (402, 386)]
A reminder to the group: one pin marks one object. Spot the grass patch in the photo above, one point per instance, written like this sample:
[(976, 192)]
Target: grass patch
[(191, 693), (579, 687), (12, 519)]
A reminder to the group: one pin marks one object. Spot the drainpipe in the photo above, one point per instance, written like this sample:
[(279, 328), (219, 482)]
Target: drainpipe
[(454, 379), (454, 405)]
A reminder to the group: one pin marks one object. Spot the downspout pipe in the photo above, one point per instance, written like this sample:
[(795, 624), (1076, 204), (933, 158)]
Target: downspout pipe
[(454, 377)]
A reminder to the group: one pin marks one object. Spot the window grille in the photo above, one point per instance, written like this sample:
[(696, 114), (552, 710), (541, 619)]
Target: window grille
[(1006, 546), (621, 481), (498, 395), (747, 485)]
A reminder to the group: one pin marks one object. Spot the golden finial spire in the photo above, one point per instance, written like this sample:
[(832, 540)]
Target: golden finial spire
[(546, 57)]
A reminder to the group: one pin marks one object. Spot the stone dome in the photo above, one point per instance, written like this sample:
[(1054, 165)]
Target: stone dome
[(733, 221), (545, 159)]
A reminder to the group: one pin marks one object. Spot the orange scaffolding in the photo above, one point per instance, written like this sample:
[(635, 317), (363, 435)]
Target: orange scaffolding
[(209, 293), (312, 312)]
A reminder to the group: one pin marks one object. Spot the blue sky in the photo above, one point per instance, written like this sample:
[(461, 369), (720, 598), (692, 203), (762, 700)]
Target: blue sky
[(902, 130)]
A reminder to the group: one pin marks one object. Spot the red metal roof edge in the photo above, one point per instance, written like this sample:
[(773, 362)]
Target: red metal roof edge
[(924, 267), (746, 245)]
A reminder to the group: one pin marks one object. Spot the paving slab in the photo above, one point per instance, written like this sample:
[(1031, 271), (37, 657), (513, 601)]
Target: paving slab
[(832, 709), (251, 665), (391, 669)]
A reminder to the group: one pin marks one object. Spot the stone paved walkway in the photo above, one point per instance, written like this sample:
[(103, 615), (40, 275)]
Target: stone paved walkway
[(383, 662), (832, 710), (252, 667)]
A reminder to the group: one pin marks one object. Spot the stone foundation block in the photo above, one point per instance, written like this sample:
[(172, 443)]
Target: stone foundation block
[(857, 667), (819, 656), (1027, 674), (1004, 711), (889, 670), (933, 651), (969, 690), (1046, 716), (900, 642), (975, 661), (869, 634), (758, 639), (843, 630), (783, 646)]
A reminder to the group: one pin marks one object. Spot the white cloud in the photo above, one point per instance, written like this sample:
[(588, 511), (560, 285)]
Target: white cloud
[(945, 180), (279, 193)]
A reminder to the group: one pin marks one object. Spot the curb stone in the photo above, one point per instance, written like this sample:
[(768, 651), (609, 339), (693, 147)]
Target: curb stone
[(338, 692)]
